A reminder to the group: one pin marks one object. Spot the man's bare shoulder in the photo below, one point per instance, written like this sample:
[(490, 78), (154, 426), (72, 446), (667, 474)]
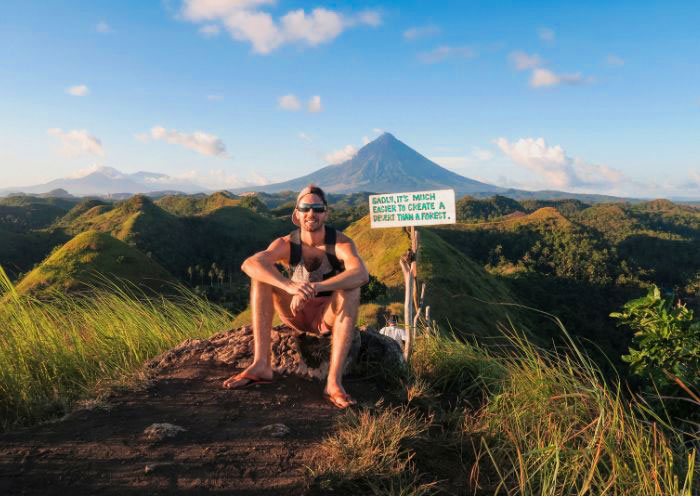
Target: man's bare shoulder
[(343, 238), (345, 243)]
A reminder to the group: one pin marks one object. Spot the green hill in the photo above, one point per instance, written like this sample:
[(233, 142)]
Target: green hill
[(188, 205), (83, 207), (77, 262), (459, 291)]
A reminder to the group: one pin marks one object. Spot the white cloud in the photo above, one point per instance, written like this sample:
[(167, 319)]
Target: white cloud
[(77, 142), (522, 61), (103, 27), (289, 102), (614, 60), (304, 136), (322, 25), (314, 104), (200, 142), (142, 137), (215, 98), (246, 22), (338, 156), (542, 78), (377, 130), (482, 154), (546, 34), (207, 10), (418, 32), (107, 171), (210, 30), (78, 90), (369, 17), (461, 161), (444, 52), (555, 167)]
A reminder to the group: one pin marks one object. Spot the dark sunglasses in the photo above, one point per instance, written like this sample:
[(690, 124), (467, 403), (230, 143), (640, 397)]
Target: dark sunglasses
[(319, 208)]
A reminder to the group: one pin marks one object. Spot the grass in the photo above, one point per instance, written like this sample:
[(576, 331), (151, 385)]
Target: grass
[(509, 420), (55, 352)]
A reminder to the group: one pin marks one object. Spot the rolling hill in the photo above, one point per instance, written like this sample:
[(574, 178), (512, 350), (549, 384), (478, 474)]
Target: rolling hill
[(461, 294), (77, 263)]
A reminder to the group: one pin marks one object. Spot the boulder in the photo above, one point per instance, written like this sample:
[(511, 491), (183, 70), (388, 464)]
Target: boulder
[(293, 353)]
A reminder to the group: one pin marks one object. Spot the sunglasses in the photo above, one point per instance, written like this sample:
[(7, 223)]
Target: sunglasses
[(318, 208)]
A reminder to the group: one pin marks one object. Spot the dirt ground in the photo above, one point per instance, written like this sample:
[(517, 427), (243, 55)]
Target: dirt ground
[(225, 448)]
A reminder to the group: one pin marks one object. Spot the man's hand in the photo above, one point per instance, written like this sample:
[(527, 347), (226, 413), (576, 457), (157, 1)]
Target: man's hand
[(297, 303), (302, 289)]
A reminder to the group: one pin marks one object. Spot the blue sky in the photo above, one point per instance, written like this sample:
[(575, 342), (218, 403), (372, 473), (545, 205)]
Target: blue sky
[(578, 96)]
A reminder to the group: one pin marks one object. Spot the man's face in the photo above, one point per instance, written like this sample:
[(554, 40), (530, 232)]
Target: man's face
[(311, 221)]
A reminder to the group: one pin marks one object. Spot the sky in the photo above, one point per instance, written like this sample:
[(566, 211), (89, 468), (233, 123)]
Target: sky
[(595, 96)]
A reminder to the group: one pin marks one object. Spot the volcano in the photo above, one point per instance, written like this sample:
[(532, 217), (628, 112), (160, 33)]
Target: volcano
[(385, 165)]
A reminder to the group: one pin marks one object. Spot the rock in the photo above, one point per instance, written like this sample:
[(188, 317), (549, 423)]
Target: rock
[(159, 432), (293, 353), (276, 430)]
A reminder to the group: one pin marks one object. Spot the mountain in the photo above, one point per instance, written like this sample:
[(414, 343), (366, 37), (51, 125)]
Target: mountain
[(384, 165), (109, 181)]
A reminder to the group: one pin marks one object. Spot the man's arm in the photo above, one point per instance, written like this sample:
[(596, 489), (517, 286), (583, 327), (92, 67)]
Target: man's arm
[(261, 267), (355, 273)]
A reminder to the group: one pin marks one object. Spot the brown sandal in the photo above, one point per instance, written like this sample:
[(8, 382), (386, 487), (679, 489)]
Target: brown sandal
[(252, 380), (338, 397)]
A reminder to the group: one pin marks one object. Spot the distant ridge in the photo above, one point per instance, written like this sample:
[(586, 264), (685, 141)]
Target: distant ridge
[(384, 165)]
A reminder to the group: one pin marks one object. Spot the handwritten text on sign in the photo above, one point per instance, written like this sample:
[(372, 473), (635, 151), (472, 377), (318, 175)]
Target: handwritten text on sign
[(418, 208)]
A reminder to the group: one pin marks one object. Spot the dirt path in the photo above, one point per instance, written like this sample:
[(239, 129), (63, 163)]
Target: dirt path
[(224, 449)]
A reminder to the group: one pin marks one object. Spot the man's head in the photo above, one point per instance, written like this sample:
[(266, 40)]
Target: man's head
[(311, 209)]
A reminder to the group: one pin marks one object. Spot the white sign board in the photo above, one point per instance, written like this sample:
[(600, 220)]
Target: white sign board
[(417, 208)]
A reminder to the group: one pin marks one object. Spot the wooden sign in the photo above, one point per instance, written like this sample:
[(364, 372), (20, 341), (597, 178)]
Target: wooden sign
[(416, 208)]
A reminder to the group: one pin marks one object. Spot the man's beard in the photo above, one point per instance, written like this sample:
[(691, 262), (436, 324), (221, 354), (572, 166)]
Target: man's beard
[(318, 225)]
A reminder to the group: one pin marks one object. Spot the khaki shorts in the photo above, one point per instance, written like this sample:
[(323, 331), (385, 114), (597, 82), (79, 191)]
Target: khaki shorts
[(310, 317)]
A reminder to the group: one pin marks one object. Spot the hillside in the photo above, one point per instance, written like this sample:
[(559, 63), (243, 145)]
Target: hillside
[(461, 294), (187, 205), (76, 263)]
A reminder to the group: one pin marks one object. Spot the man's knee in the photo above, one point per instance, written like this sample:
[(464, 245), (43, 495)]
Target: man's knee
[(347, 300)]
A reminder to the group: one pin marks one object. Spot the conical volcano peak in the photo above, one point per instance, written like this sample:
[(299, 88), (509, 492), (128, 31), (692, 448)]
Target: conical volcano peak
[(384, 165)]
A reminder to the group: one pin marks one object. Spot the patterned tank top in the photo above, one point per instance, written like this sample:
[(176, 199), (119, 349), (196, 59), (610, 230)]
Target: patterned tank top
[(330, 265)]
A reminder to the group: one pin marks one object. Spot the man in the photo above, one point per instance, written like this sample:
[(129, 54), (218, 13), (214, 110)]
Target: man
[(393, 331), (322, 296)]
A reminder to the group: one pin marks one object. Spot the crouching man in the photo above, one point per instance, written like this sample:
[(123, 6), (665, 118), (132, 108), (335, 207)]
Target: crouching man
[(322, 296)]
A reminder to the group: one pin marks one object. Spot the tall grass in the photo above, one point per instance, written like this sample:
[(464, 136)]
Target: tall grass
[(549, 424), (518, 420), (54, 352)]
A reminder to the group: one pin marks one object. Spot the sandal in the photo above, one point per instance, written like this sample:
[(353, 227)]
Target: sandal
[(338, 398), (252, 380)]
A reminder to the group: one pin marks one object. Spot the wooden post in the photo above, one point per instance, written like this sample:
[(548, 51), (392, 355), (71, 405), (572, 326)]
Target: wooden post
[(408, 316), (410, 269)]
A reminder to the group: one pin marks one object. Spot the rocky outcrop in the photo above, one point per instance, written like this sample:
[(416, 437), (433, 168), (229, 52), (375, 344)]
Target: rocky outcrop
[(293, 353)]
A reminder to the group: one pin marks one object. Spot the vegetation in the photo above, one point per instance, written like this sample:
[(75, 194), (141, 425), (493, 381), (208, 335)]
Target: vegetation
[(52, 353), (512, 420), (666, 346), (89, 257)]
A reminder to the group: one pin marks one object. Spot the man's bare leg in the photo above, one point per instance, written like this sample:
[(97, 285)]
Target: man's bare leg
[(343, 314), (262, 308)]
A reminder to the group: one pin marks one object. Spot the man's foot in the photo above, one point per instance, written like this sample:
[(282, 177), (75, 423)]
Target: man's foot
[(339, 397), (249, 377)]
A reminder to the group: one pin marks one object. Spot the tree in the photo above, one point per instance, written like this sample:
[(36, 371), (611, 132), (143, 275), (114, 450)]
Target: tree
[(666, 340)]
